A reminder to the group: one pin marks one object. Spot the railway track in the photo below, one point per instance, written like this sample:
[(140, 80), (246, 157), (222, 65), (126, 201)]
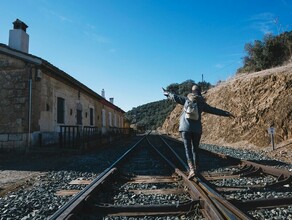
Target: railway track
[(260, 191), (150, 181)]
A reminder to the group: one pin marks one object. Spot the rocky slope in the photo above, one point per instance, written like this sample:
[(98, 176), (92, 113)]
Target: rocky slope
[(258, 100)]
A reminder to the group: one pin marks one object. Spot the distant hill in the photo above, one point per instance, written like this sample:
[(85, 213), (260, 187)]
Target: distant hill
[(259, 100), (149, 116), (259, 96), (152, 115)]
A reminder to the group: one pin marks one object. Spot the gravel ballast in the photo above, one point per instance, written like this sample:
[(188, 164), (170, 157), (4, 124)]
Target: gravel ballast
[(37, 200)]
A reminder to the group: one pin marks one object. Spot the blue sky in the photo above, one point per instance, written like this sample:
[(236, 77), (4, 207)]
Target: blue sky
[(132, 48)]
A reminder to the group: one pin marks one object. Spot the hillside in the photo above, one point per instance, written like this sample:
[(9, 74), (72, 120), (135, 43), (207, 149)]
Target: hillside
[(258, 100), (149, 116)]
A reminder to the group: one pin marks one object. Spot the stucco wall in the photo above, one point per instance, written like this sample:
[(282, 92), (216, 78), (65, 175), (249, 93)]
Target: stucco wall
[(46, 86), (45, 94)]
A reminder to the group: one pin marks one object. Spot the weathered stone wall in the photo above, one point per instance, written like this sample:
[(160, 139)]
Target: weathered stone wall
[(13, 141), (13, 95), (46, 86)]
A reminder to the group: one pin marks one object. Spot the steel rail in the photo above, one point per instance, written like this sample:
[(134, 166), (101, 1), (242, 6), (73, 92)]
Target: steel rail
[(170, 163), (282, 174), (178, 157), (263, 203), (215, 206), (211, 212), (250, 167), (179, 207), (65, 211), (227, 210), (284, 178)]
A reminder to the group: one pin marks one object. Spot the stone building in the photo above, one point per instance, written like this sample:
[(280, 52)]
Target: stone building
[(39, 102)]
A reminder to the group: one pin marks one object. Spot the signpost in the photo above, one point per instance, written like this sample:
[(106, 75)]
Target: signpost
[(271, 131)]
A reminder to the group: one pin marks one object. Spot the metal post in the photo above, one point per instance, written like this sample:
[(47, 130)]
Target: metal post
[(271, 131), (29, 115), (272, 141)]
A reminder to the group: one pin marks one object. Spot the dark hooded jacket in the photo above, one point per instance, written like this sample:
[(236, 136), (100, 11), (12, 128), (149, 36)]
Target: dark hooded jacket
[(190, 125)]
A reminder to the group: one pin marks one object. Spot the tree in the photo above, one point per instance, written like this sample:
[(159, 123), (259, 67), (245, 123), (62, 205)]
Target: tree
[(272, 51), (173, 88), (185, 87), (152, 115), (205, 85)]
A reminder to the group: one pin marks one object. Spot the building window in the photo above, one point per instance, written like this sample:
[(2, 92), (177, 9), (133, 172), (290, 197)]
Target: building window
[(60, 110), (79, 117), (91, 116), (110, 119), (115, 120), (103, 115)]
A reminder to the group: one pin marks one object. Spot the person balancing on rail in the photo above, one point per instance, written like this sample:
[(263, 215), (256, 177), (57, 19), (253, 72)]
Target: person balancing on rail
[(190, 125)]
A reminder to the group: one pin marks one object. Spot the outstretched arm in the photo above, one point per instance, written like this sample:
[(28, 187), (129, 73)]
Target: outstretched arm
[(217, 111), (165, 92), (178, 99)]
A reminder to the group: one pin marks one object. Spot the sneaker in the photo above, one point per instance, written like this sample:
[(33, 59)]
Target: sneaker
[(191, 174)]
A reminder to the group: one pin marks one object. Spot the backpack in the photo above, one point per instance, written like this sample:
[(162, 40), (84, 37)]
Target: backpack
[(191, 110)]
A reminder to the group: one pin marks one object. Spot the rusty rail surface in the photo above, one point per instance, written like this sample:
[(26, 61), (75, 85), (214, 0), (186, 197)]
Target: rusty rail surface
[(246, 169), (66, 211), (226, 209), (203, 194)]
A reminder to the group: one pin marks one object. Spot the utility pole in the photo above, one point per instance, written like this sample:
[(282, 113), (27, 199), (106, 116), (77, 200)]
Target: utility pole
[(203, 89)]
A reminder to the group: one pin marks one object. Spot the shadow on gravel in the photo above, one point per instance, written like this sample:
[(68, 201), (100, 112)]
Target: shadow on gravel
[(33, 162), (93, 160), (270, 162)]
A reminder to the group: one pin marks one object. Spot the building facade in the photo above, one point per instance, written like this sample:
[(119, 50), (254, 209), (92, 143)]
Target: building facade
[(37, 99)]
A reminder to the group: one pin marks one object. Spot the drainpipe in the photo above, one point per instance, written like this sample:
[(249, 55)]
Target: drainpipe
[(29, 109)]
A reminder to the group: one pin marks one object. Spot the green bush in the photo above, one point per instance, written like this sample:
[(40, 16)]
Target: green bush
[(152, 115), (272, 51)]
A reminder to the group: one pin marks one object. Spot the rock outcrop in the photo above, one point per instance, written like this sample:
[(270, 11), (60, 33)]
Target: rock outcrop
[(258, 100)]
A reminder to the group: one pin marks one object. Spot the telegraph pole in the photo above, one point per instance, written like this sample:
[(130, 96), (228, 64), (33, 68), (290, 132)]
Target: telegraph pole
[(203, 82)]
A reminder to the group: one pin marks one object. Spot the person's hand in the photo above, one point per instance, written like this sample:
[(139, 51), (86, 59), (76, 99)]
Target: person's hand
[(230, 115), (165, 92)]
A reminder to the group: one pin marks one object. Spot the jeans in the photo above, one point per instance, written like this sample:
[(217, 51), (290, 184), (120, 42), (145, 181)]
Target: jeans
[(191, 142)]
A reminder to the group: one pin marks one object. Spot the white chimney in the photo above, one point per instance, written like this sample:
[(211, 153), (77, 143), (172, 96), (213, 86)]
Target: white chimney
[(111, 100), (18, 38), (103, 93)]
